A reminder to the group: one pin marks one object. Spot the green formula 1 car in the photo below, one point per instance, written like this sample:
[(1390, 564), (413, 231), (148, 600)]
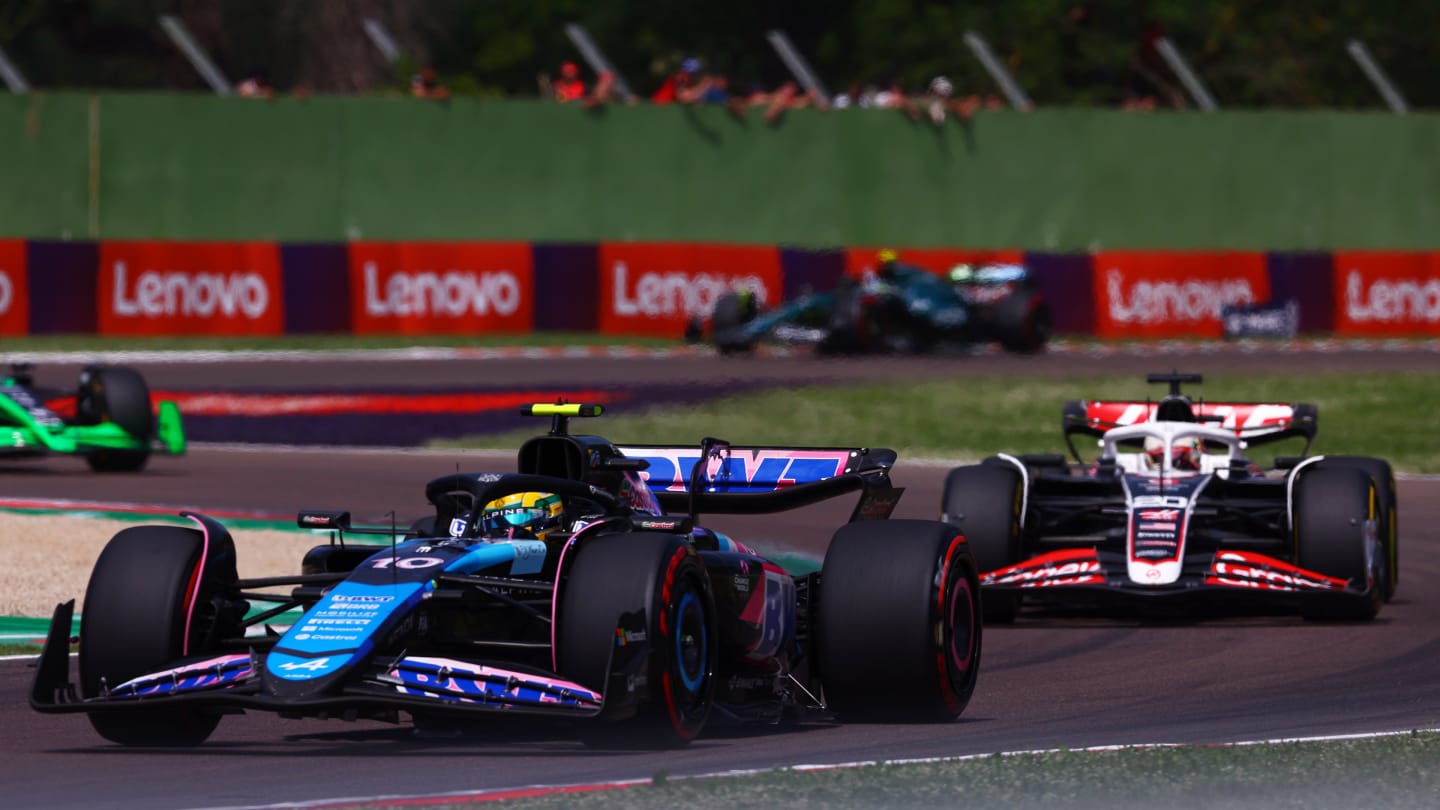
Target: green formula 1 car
[(114, 425)]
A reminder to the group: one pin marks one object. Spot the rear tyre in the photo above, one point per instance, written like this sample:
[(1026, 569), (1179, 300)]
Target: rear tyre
[(847, 327), (898, 630), (1387, 516), (1022, 322), (1332, 505), (116, 394), (646, 599), (143, 612), (983, 501)]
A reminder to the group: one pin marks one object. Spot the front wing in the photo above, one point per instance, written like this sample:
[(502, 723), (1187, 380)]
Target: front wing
[(413, 683), (27, 436), (1244, 571)]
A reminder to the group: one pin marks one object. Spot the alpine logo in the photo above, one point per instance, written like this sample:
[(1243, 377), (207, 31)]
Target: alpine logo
[(1159, 514)]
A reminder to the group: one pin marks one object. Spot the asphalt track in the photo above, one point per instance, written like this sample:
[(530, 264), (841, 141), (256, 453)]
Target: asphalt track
[(1047, 681)]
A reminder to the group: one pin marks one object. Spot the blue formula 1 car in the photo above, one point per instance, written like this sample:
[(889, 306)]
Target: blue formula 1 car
[(901, 309), (581, 587), (114, 426)]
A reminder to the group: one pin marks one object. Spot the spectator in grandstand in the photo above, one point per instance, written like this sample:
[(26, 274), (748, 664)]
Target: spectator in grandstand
[(786, 96), (940, 102), (717, 89), (255, 85), (684, 86), (568, 86), (856, 95), (604, 91), (893, 97), (426, 84)]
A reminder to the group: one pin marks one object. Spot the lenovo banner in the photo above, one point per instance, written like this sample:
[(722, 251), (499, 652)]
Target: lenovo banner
[(14, 291), (190, 288), (1173, 294), (441, 288), (1381, 293), (859, 260), (655, 289)]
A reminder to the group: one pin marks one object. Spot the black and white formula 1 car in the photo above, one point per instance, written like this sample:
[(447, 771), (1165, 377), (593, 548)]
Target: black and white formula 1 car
[(1172, 509), (564, 590)]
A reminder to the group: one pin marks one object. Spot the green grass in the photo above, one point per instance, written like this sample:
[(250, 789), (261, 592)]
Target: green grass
[(1393, 416), (81, 343), (1395, 772)]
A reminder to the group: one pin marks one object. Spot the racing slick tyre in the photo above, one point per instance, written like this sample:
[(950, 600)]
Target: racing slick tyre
[(898, 623), (1022, 322), (646, 600), (847, 329), (116, 394), (1388, 513), (1332, 505), (984, 502), (156, 595), (732, 311)]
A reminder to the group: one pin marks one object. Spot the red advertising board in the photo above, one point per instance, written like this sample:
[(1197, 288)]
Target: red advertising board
[(442, 288), (14, 289), (1173, 294), (937, 260), (190, 288), (1385, 293), (656, 288)]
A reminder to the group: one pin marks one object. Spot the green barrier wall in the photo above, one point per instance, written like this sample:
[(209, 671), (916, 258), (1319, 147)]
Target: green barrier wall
[(197, 167)]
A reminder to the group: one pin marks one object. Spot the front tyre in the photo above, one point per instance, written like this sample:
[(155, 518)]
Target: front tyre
[(984, 502), (1387, 513), (1335, 512), (155, 596), (638, 609), (898, 622)]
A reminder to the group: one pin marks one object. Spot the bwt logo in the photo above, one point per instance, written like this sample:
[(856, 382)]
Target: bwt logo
[(1168, 301), (7, 292), (451, 294), (1389, 301), (156, 294), (655, 295)]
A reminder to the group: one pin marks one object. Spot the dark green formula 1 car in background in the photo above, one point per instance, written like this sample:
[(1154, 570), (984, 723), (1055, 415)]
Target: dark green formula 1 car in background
[(901, 309), (115, 426)]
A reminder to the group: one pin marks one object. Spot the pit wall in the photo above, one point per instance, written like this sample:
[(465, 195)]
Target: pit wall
[(152, 288)]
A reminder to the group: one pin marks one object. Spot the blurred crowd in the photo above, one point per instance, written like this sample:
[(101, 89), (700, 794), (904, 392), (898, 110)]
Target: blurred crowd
[(690, 82)]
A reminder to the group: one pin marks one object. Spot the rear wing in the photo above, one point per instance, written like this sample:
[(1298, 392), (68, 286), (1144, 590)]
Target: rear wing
[(720, 478), (1255, 422)]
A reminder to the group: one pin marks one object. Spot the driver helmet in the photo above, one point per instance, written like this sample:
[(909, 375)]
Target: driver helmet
[(885, 261), (1184, 453), (523, 515)]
